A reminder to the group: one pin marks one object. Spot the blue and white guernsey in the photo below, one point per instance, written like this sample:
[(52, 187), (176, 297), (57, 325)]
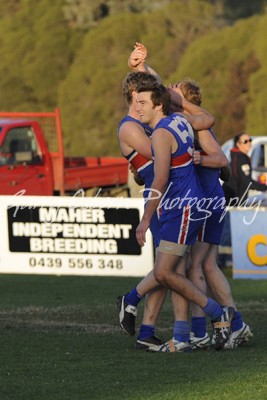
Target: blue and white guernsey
[(183, 187)]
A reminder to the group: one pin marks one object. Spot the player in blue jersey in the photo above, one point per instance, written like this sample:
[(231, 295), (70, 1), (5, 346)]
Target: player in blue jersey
[(206, 247), (172, 143), (204, 266), (134, 139), (136, 62), (135, 146), (130, 134), (153, 304), (135, 143)]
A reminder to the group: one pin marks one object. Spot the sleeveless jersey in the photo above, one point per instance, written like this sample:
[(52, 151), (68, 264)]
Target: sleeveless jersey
[(183, 188), (210, 183), (211, 230), (145, 168), (142, 164)]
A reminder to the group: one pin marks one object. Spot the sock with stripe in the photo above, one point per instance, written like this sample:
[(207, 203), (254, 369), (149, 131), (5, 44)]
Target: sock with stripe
[(133, 297)]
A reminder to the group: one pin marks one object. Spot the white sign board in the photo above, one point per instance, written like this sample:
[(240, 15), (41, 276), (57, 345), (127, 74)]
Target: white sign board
[(72, 236)]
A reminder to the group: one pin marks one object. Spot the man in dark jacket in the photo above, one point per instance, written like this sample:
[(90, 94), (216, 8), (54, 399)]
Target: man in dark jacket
[(241, 181)]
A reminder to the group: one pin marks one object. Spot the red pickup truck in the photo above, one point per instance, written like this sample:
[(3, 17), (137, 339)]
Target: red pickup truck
[(32, 160)]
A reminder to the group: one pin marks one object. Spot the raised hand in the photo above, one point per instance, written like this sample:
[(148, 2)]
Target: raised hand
[(137, 57)]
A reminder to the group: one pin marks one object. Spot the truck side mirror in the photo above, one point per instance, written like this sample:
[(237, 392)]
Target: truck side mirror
[(23, 157)]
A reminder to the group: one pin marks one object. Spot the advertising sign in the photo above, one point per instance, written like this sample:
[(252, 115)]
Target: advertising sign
[(249, 242), (72, 236)]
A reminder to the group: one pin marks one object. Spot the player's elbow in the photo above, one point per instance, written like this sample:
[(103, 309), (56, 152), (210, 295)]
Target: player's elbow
[(203, 122), (212, 120)]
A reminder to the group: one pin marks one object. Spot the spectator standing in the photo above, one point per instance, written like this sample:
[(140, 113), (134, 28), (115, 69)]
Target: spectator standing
[(241, 180), (237, 187)]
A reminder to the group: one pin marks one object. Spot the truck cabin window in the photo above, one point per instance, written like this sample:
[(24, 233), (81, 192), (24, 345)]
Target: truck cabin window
[(259, 157), (20, 147)]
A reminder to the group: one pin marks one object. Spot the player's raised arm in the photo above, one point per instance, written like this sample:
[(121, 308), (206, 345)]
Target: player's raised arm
[(198, 117), (137, 61)]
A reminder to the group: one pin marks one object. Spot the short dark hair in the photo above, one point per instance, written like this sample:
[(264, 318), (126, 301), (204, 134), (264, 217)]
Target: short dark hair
[(131, 82), (159, 93)]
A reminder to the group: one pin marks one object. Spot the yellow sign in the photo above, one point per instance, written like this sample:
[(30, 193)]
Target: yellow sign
[(255, 258)]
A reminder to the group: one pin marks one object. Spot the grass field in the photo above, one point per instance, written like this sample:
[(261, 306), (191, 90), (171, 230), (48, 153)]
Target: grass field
[(60, 340)]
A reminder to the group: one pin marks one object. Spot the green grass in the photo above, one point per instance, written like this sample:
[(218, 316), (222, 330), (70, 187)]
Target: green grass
[(60, 341)]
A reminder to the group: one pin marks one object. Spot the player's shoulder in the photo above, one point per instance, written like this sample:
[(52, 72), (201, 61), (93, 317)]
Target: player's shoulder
[(164, 122), (129, 124)]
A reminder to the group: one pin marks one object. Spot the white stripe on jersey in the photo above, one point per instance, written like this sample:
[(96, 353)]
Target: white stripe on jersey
[(144, 166), (184, 225)]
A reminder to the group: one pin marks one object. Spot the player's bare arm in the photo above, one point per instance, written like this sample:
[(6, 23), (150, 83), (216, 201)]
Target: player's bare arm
[(162, 143), (136, 61), (214, 157), (132, 136), (198, 117)]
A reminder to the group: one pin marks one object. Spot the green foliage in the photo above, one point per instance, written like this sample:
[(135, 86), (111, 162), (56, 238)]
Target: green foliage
[(90, 97), (227, 64), (51, 57), (235, 9), (47, 61), (86, 14), (35, 55), (257, 107)]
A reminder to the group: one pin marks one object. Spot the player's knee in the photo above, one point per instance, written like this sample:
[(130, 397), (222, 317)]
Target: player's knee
[(208, 266), (160, 277)]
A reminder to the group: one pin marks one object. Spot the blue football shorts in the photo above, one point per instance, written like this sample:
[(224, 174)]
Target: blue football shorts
[(179, 230), (212, 227)]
